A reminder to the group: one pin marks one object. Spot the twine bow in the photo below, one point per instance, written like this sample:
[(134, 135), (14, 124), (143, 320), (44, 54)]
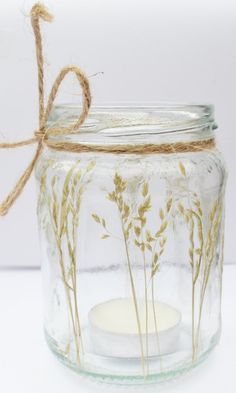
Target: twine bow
[(38, 12), (41, 136)]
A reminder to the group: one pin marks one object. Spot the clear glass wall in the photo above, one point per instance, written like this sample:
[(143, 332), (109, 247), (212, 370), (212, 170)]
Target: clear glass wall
[(132, 244)]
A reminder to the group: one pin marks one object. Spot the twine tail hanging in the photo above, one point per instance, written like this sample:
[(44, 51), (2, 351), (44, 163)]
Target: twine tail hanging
[(38, 12)]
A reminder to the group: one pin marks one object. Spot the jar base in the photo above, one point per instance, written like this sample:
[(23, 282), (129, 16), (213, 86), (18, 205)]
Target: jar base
[(105, 376)]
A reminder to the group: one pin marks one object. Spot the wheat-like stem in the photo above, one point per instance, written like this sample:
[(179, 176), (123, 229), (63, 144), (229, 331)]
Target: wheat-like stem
[(124, 211), (64, 213), (59, 229), (116, 196), (67, 287), (153, 303), (155, 322), (205, 253), (134, 299), (190, 217), (139, 230), (144, 241), (75, 195), (193, 218), (159, 242), (72, 248), (67, 290), (209, 256), (146, 301), (73, 275)]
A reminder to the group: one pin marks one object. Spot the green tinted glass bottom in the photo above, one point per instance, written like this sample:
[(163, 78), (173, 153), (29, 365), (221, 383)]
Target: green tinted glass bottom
[(104, 375)]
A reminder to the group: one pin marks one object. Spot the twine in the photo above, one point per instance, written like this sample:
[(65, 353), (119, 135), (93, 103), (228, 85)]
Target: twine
[(38, 12), (148, 148), (41, 136)]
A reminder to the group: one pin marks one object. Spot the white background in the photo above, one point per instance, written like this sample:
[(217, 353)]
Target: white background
[(148, 50)]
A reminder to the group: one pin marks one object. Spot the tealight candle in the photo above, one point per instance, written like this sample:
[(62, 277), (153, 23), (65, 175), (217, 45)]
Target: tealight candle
[(114, 329)]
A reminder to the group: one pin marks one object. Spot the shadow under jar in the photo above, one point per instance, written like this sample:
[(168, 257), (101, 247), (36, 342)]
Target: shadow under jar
[(131, 229)]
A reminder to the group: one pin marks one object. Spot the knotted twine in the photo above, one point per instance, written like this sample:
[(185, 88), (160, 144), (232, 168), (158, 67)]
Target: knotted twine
[(41, 136), (38, 12)]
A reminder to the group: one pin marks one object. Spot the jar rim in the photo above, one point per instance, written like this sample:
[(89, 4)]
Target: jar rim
[(133, 119)]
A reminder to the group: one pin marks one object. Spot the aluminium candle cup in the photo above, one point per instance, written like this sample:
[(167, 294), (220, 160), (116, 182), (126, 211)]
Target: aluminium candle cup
[(136, 212), (115, 342)]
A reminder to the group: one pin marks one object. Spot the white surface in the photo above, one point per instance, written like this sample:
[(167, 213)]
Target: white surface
[(27, 365), (149, 50)]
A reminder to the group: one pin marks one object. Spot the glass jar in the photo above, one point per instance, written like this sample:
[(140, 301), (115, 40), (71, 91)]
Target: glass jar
[(131, 231)]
